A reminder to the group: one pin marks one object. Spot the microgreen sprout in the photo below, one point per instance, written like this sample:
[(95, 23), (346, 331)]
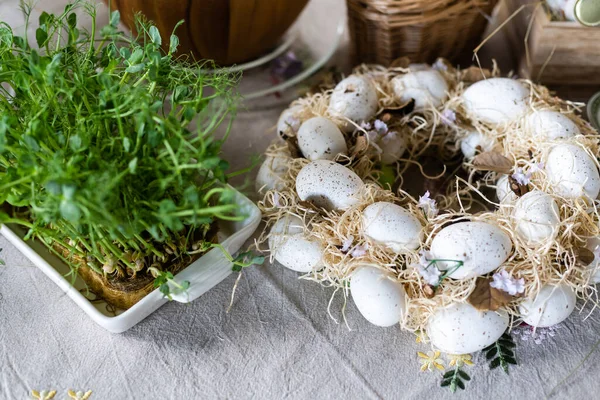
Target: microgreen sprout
[(107, 147)]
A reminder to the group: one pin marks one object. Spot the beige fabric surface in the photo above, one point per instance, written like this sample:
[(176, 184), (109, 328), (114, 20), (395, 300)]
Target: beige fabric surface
[(277, 342)]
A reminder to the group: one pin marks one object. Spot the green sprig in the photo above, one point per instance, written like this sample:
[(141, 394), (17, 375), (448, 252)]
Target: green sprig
[(455, 378), (501, 353)]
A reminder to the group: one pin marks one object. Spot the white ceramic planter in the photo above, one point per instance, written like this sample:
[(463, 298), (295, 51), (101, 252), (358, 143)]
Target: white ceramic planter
[(203, 274)]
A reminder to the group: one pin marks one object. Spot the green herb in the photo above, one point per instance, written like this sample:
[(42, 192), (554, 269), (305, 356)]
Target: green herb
[(164, 281), (454, 378), (501, 353), (107, 149)]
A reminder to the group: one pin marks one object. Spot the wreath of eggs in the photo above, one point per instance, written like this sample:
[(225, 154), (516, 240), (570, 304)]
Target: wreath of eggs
[(333, 198)]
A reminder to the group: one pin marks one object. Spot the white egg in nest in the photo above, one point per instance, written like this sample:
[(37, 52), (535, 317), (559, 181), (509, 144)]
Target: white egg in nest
[(593, 245), (550, 125), (427, 88), (321, 139), (536, 217), (504, 192), (378, 297), (482, 247), (328, 185), (392, 226), (271, 174), (354, 98), (496, 100), (572, 172), (552, 305), (476, 142), (461, 329), (290, 246), (289, 121)]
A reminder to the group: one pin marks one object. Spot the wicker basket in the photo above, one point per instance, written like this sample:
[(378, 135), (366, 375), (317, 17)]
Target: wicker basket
[(423, 30)]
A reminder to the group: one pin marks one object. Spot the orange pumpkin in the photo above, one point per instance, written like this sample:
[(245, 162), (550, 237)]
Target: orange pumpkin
[(227, 31)]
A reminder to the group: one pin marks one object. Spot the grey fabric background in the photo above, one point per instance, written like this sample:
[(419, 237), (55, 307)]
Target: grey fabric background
[(277, 342)]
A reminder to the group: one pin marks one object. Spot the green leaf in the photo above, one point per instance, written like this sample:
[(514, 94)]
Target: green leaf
[(72, 20), (70, 211), (460, 384), (510, 360), (173, 44), (132, 165), (507, 343), (115, 16), (126, 144), (463, 375), (491, 353), (135, 68), (445, 383), (449, 374), (44, 18), (495, 363), (41, 36), (155, 35), (136, 56)]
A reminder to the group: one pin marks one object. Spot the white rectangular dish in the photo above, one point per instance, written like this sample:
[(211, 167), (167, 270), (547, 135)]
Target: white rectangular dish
[(203, 274)]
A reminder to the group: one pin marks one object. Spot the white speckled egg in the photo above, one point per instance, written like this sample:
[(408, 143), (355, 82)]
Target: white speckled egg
[(321, 139), (572, 172), (427, 87), (392, 226), (461, 329), (591, 245), (289, 122), (504, 192), (552, 305), (290, 246), (271, 174), (496, 100), (392, 147), (378, 298), (469, 144), (328, 185), (551, 125), (482, 247), (354, 98), (536, 216)]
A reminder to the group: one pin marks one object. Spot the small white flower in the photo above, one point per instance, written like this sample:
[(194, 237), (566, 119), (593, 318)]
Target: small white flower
[(381, 127), (428, 205), (535, 167), (448, 117), (428, 270), (360, 250), (347, 243), (365, 125), (521, 177), (504, 281)]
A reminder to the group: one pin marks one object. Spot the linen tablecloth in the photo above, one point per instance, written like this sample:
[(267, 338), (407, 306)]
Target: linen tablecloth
[(278, 340)]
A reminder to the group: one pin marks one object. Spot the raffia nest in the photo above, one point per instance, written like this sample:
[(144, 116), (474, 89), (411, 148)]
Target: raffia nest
[(553, 261)]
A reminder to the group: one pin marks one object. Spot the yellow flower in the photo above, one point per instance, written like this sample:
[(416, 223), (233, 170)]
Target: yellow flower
[(43, 395), (430, 361), (421, 337), (460, 359)]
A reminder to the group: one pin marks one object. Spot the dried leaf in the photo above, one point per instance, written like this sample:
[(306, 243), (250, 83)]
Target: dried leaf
[(487, 298), (492, 161), (475, 74), (401, 62), (516, 187), (584, 256)]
